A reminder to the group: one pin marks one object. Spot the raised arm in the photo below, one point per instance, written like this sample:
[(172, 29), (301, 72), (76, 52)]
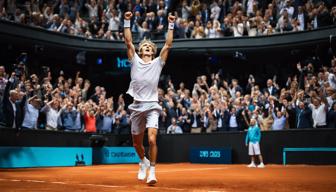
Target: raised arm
[(169, 39), (128, 35)]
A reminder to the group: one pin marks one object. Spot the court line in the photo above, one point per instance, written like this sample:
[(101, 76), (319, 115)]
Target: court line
[(184, 170), (35, 181), (166, 188), (58, 182), (15, 180), (100, 185), (90, 184)]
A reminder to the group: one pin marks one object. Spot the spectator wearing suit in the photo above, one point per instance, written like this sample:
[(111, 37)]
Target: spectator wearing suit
[(303, 116), (323, 16), (195, 121), (12, 106), (184, 120), (272, 88), (234, 120), (3, 83), (331, 116), (302, 18), (333, 15), (222, 115)]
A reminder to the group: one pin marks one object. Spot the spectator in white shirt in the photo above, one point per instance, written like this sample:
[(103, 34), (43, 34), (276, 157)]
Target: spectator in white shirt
[(92, 8), (319, 109), (52, 114), (31, 113), (289, 8), (174, 128)]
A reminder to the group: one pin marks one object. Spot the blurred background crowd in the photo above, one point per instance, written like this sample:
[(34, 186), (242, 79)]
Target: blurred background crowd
[(214, 103), (103, 19)]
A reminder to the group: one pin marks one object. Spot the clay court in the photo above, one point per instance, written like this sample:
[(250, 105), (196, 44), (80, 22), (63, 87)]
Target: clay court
[(172, 177)]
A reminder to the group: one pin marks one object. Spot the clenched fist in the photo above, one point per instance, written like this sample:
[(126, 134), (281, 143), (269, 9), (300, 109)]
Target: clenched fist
[(171, 19), (128, 15)]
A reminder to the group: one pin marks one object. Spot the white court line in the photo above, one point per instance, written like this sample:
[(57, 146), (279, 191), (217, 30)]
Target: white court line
[(59, 182), (35, 181), (93, 185), (15, 180), (165, 188), (99, 185), (183, 170), (216, 191)]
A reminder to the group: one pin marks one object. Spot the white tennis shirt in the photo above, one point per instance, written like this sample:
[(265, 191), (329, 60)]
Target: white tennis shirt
[(145, 79)]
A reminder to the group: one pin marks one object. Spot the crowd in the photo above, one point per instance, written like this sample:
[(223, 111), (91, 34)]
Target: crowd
[(103, 19), (31, 102), (308, 100)]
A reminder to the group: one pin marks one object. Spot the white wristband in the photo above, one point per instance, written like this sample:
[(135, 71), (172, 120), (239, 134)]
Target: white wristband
[(171, 26), (127, 23)]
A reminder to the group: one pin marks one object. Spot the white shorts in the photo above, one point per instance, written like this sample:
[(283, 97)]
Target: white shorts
[(144, 115), (254, 148)]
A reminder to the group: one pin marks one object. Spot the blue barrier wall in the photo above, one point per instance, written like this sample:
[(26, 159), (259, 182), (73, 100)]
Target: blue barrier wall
[(213, 155), (114, 155), (15, 157)]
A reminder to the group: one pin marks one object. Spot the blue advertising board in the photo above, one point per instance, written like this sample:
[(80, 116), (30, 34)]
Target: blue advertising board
[(15, 157), (115, 155), (212, 155)]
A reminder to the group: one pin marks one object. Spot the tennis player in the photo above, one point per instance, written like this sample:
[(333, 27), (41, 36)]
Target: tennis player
[(145, 73)]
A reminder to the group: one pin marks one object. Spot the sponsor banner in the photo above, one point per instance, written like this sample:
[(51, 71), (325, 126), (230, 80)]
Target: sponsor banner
[(15, 157), (114, 155), (212, 155)]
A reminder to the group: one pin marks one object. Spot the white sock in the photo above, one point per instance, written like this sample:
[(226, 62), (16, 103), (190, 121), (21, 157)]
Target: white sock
[(152, 169), (144, 160)]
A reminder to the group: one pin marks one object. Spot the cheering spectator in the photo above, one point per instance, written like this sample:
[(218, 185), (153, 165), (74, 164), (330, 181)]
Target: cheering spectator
[(319, 112), (13, 105), (68, 117), (31, 115), (174, 128)]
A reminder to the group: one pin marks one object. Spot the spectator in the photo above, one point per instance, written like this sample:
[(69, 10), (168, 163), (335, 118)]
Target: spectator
[(279, 117), (272, 88), (234, 120), (92, 8), (331, 116), (90, 121), (319, 112), (31, 113), (68, 117), (13, 104), (184, 121), (53, 114), (250, 17), (174, 128), (3, 83), (304, 116), (114, 23), (195, 121)]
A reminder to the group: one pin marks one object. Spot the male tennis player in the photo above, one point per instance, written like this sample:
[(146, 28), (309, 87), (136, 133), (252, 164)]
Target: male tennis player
[(145, 73)]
